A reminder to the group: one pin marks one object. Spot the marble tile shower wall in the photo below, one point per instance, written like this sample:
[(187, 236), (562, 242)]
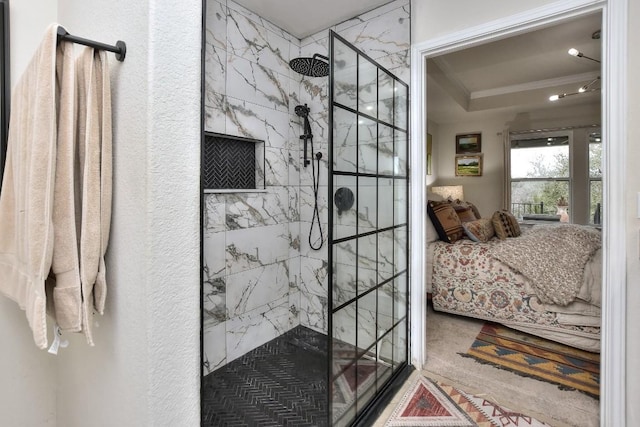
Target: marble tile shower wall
[(384, 35), (251, 240), (261, 278)]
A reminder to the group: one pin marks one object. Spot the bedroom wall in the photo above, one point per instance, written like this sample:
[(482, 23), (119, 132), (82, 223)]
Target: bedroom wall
[(488, 189)]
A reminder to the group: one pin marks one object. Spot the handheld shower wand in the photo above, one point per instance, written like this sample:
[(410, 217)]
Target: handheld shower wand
[(303, 111)]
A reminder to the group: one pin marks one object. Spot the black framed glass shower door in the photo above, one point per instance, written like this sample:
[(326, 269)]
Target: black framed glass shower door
[(368, 243)]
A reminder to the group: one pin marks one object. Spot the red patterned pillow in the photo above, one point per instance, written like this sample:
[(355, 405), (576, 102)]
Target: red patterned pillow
[(445, 220), (505, 224)]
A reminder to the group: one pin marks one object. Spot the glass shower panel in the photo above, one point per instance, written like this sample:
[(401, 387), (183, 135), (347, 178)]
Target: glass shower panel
[(344, 272), (385, 149), (367, 263), (400, 286), (345, 75), (385, 202), (345, 142), (345, 218), (369, 240), (367, 212), (367, 321), (385, 255), (400, 249), (385, 97), (367, 145), (400, 153), (400, 106), (367, 87)]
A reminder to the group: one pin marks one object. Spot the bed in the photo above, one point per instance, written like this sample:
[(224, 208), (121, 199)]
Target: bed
[(546, 281)]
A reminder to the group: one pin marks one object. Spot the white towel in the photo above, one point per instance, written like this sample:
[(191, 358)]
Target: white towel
[(94, 146), (26, 202)]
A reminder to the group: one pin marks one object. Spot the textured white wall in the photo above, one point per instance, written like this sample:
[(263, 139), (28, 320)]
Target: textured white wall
[(27, 375), (433, 18), (144, 369)]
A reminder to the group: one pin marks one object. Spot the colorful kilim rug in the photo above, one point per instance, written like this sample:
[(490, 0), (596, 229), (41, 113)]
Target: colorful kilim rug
[(434, 404), (535, 357)]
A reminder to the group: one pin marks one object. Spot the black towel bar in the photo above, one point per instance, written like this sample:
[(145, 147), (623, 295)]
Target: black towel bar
[(120, 49)]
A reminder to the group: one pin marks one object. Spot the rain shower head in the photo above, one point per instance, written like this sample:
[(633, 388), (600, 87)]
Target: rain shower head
[(312, 67), (302, 111)]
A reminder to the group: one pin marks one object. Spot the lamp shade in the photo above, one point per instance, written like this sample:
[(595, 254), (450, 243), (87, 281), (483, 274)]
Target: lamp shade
[(452, 192)]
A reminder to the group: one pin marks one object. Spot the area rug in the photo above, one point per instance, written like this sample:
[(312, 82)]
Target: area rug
[(535, 357), (433, 404)]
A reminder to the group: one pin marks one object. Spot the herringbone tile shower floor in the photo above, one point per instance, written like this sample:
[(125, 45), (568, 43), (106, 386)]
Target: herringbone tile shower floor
[(281, 383)]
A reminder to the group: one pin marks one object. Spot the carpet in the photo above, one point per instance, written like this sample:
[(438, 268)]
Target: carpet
[(429, 403), (530, 356)]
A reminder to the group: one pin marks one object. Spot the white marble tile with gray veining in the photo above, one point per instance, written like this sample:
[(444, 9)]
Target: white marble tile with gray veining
[(321, 173), (262, 85), (307, 203), (262, 22), (372, 14), (276, 167), (294, 239), (400, 156), (250, 120), (256, 247), (214, 349), (400, 251), (294, 309), (215, 112), (385, 203), (314, 312), (294, 203), (345, 124), (214, 214), (313, 275), (294, 274), (294, 162), (248, 210), (251, 330), (213, 251), (321, 38), (215, 70), (385, 150), (254, 42), (367, 320), (214, 301), (248, 290), (382, 35), (316, 240), (400, 201), (216, 24)]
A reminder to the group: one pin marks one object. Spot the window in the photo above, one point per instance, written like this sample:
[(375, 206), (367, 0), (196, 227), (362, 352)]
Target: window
[(539, 176), (595, 178)]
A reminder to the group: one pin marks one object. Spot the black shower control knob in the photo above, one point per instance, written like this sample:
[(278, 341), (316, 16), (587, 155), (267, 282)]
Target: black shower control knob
[(343, 199)]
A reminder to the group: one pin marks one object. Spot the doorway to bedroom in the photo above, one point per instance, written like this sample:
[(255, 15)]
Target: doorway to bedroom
[(498, 94)]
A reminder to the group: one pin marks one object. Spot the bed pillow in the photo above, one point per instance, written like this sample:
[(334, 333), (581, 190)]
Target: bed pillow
[(505, 224), (463, 203), (432, 234), (445, 220), (480, 230), (465, 213)]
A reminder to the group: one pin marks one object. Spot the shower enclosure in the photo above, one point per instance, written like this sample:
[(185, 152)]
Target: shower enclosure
[(305, 253), (368, 241)]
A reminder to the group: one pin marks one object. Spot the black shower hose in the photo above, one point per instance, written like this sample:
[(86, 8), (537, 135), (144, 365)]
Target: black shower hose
[(316, 184)]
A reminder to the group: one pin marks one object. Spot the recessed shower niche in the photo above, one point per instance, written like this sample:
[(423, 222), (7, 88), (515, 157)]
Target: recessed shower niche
[(232, 162)]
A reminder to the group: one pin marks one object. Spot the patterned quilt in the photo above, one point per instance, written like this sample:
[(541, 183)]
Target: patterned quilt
[(467, 280)]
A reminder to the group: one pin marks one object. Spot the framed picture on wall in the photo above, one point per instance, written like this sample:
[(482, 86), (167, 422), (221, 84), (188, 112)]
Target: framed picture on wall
[(469, 165), (429, 142), (469, 143)]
